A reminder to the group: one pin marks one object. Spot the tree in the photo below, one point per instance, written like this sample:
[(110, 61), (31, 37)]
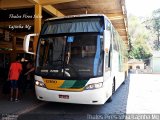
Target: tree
[(156, 25), (153, 25), (139, 36)]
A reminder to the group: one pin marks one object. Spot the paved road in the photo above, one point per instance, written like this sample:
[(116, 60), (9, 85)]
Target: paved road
[(144, 94), (139, 95)]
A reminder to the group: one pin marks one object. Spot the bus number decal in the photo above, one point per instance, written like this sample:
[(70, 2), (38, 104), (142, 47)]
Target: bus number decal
[(51, 81)]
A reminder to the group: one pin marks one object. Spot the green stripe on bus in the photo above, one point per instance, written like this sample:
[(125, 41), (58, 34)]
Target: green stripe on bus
[(68, 83), (79, 84)]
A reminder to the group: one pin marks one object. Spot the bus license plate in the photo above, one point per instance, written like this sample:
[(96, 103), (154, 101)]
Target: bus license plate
[(64, 96)]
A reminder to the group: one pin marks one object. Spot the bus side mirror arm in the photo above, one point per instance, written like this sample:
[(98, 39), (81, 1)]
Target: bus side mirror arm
[(26, 42)]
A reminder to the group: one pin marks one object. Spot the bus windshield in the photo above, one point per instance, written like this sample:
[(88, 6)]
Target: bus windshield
[(70, 57)]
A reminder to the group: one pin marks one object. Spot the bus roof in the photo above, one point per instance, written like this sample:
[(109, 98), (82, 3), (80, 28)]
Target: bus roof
[(77, 16)]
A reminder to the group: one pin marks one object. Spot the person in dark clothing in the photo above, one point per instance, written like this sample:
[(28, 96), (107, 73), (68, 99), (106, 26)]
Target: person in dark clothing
[(29, 76)]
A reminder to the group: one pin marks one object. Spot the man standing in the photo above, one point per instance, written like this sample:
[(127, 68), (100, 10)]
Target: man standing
[(13, 76)]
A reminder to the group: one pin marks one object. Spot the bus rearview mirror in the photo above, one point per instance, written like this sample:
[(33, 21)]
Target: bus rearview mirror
[(28, 39)]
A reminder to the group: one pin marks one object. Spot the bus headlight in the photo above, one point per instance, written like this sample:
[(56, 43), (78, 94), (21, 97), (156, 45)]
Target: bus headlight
[(39, 83), (94, 86)]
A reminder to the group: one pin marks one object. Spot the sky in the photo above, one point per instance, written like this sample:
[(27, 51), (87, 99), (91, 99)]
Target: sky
[(142, 8)]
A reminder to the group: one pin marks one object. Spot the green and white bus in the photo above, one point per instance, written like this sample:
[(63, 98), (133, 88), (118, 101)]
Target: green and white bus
[(79, 59)]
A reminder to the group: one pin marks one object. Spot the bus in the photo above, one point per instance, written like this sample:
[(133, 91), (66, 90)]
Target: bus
[(79, 59)]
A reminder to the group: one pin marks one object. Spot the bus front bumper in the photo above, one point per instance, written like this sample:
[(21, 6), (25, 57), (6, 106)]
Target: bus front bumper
[(96, 96)]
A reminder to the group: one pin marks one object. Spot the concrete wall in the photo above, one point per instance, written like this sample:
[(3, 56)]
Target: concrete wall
[(155, 64)]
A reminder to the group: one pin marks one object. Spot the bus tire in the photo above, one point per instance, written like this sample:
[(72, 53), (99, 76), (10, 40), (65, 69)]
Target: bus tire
[(113, 90)]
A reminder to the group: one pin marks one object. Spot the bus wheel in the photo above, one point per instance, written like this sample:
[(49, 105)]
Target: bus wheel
[(113, 90)]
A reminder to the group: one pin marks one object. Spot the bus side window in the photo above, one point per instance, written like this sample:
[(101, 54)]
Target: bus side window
[(115, 44)]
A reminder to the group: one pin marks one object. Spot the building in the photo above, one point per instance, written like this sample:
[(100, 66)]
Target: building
[(135, 64)]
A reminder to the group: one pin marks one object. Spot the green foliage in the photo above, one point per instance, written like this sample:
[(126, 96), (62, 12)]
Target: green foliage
[(138, 39), (153, 25), (156, 20), (156, 27), (140, 52)]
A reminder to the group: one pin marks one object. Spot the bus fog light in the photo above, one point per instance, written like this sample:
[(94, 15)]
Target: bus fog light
[(39, 83), (94, 86)]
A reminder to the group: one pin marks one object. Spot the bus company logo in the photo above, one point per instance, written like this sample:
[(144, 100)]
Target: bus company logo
[(51, 81), (54, 71), (44, 71)]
